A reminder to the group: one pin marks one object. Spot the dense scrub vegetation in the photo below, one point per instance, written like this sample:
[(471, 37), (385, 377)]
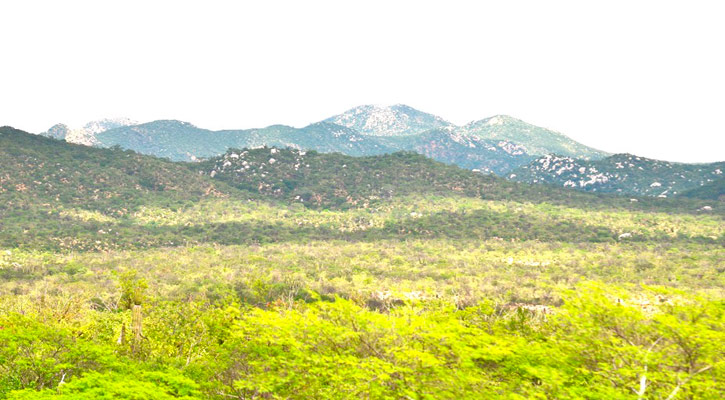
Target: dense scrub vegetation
[(129, 277), (625, 174), (714, 190), (600, 343)]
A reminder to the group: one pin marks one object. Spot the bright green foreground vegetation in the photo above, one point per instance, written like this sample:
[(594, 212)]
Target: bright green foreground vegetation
[(426, 319), (398, 278)]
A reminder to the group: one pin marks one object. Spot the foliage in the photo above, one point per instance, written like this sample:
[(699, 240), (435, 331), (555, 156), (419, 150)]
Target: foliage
[(626, 174), (38, 355), (714, 190), (597, 345), (132, 289), (127, 386)]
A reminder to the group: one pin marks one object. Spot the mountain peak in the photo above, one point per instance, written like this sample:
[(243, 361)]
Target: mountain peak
[(395, 120), (495, 120), (500, 119), (57, 131), (87, 134), (105, 124)]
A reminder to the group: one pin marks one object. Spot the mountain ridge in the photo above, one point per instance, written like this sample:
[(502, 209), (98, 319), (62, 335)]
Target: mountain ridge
[(362, 130), (500, 144)]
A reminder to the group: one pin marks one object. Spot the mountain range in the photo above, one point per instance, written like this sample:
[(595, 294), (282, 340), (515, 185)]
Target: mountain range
[(39, 172), (500, 144)]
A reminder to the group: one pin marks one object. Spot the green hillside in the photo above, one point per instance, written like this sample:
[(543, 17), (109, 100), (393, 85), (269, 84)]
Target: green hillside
[(623, 174), (60, 195), (39, 171), (714, 190)]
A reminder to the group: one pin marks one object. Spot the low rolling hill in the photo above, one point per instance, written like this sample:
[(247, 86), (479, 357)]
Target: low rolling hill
[(620, 173)]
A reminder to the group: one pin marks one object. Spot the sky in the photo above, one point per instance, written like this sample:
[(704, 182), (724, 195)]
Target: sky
[(644, 77)]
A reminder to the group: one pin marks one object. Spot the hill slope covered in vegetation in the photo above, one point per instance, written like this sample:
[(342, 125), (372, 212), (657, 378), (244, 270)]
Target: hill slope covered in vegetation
[(620, 173)]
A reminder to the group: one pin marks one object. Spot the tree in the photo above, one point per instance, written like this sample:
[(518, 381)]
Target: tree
[(132, 289)]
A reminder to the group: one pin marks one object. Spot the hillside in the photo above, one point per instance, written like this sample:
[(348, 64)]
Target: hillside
[(337, 181), (470, 152), (620, 173), (182, 141), (534, 140), (175, 140), (38, 171), (322, 136), (62, 194), (714, 190), (340, 181)]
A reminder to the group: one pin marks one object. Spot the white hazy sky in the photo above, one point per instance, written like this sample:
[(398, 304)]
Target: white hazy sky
[(645, 77)]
